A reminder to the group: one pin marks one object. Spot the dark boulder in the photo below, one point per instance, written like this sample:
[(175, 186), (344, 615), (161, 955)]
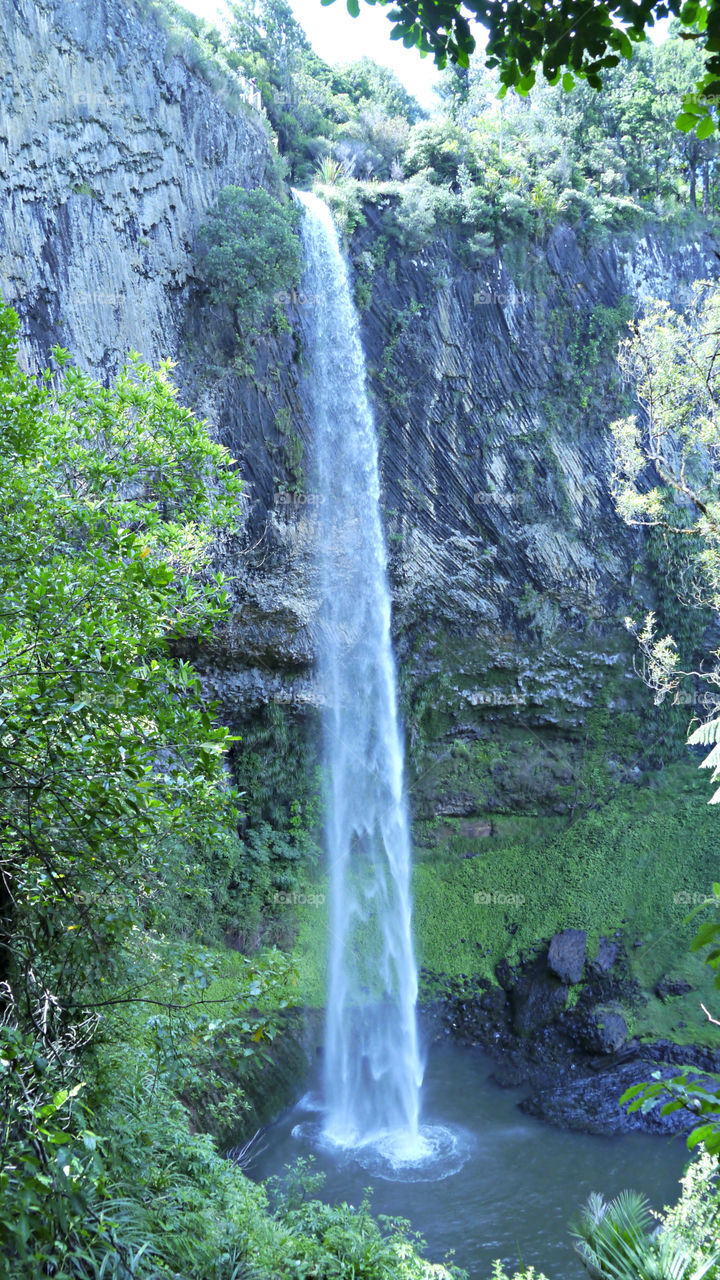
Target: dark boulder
[(601, 1030), (566, 955), (590, 1103), (668, 987), (606, 956), (538, 1000)]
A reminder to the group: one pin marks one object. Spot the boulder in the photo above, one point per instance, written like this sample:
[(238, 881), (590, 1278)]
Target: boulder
[(538, 1000), (607, 954), (590, 1104), (600, 1029), (566, 955), (668, 987), (606, 1030)]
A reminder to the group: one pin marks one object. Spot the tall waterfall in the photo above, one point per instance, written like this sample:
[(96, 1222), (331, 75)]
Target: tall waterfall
[(373, 1070)]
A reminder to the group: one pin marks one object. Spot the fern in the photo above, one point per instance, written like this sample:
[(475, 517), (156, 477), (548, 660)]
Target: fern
[(704, 736)]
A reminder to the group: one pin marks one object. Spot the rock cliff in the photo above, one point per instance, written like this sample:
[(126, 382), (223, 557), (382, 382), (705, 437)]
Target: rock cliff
[(493, 381), (111, 150)]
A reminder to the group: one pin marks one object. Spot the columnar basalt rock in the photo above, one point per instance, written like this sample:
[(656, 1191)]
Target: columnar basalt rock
[(111, 150), (493, 384)]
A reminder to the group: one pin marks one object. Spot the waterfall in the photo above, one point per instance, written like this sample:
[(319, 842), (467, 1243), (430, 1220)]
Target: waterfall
[(373, 1069)]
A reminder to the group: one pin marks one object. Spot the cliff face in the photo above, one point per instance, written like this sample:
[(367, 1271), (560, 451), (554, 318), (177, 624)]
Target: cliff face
[(111, 150), (493, 383)]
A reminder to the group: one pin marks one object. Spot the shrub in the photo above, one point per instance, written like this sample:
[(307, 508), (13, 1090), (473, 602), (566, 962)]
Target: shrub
[(617, 1241), (437, 146), (249, 250)]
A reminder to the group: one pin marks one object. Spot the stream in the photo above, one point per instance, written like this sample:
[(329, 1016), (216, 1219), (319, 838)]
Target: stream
[(520, 1183)]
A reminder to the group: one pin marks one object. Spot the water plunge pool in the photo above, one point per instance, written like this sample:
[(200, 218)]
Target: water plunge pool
[(521, 1181)]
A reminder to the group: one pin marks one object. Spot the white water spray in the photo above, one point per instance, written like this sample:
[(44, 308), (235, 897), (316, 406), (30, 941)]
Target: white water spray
[(373, 1070)]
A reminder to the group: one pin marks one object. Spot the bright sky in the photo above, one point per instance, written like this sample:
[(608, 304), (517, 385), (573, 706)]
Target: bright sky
[(338, 38)]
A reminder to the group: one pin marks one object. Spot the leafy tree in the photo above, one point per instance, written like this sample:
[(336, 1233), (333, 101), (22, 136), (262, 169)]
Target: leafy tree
[(667, 456), (111, 499), (579, 39), (250, 250), (667, 476), (270, 46), (367, 83), (438, 147)]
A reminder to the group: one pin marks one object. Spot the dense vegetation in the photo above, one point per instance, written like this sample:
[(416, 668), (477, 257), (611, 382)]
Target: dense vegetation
[(250, 252), (609, 161), (584, 40), (118, 834)]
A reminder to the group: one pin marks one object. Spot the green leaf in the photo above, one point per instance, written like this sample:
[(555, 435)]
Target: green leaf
[(686, 123), (706, 128), (701, 1134)]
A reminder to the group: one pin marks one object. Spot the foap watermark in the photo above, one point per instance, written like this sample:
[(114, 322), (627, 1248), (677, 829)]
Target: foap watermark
[(485, 296), (297, 298), (695, 698), (495, 698), (86, 100), (494, 497), (299, 898), (693, 899), (498, 898), (98, 298), (285, 499)]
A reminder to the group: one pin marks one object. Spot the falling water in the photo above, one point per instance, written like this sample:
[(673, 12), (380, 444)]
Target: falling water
[(373, 1070)]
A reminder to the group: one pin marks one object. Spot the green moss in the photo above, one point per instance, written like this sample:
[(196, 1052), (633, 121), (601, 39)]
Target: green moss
[(629, 865), (631, 861)]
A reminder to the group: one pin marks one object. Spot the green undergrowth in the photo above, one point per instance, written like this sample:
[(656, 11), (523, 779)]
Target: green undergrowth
[(637, 864), (174, 1207)]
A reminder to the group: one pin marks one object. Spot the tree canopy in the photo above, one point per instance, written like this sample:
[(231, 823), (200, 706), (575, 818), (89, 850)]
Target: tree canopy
[(568, 39)]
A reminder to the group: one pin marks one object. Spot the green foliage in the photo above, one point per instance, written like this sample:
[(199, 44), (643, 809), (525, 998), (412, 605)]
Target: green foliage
[(48, 1174), (615, 1242), (500, 893), (437, 146), (119, 1040), (671, 361), (357, 115), (347, 1243), (250, 251), (605, 163), (110, 500), (687, 1089), (201, 48), (583, 41)]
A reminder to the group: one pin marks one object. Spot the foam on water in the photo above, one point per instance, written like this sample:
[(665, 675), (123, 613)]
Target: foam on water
[(436, 1151)]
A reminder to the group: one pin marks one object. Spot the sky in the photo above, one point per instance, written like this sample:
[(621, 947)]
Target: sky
[(338, 38)]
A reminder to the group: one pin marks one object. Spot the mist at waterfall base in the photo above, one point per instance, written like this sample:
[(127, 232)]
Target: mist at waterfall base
[(372, 1065)]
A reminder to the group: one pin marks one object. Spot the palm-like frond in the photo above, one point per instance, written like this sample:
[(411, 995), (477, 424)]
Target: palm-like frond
[(615, 1242)]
